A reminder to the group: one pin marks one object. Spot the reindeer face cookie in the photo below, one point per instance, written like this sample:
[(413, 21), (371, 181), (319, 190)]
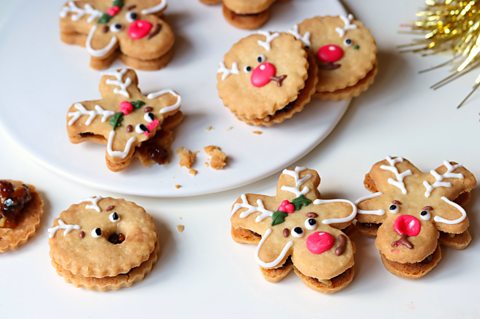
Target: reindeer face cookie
[(130, 29), (345, 52), (103, 243), (249, 15), (296, 229), (266, 78), (124, 118), (412, 211)]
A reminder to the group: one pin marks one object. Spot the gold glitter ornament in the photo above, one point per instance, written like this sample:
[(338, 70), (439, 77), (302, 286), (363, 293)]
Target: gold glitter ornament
[(449, 26)]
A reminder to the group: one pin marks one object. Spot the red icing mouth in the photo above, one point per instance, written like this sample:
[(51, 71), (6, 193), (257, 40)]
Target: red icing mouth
[(320, 242), (263, 73), (407, 225), (330, 53), (139, 29)]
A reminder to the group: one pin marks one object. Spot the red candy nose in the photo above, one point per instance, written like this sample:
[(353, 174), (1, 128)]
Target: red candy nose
[(330, 53), (262, 74), (319, 242), (139, 29), (407, 225)]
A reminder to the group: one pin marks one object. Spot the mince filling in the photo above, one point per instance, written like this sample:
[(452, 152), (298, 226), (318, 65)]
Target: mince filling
[(12, 201)]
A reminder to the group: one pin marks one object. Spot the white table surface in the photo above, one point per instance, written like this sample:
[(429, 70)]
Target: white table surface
[(203, 272)]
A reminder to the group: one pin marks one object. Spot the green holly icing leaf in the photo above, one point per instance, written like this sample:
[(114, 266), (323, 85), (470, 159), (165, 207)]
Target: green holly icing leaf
[(137, 104), (104, 19), (118, 3), (278, 217), (301, 201), (116, 120)]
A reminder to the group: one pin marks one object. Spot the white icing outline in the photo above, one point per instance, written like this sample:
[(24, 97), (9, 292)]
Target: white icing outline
[(439, 178), (94, 203), (277, 260), (61, 225), (337, 220), (159, 7), (462, 211), (100, 53), (168, 108), (92, 114), (122, 85), (227, 72), (119, 154), (305, 38), (378, 212), (264, 213), (269, 37), (78, 13), (298, 181), (347, 25), (398, 182)]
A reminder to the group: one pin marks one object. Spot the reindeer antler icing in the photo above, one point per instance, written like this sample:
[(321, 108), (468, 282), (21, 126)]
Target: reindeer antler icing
[(269, 37), (347, 25), (399, 176), (439, 178)]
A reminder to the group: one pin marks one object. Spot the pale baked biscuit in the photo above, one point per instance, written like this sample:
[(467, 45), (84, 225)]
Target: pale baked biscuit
[(266, 78), (130, 29), (249, 15), (126, 120), (297, 230), (104, 243), (409, 210)]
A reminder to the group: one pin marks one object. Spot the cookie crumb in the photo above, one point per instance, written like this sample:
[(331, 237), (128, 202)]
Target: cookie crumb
[(218, 159), (180, 228), (187, 157), (210, 128), (192, 172), (230, 128), (178, 186), (257, 132)]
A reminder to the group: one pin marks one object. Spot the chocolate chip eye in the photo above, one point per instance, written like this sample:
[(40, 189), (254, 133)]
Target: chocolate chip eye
[(116, 27), (131, 16), (348, 42), (149, 117), (114, 217), (310, 224), (393, 208), (261, 58), (425, 215), (141, 128), (247, 69), (96, 232), (297, 232)]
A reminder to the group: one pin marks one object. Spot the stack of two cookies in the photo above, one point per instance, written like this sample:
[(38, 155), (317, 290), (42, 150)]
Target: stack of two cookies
[(104, 244), (267, 77)]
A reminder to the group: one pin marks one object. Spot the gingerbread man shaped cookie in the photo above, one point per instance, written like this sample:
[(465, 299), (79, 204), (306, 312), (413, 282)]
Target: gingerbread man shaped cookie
[(123, 118), (413, 211), (346, 55), (266, 78), (129, 29), (295, 229)]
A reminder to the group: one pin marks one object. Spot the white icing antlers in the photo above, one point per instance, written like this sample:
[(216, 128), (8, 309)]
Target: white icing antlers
[(77, 13), (439, 179), (155, 9), (92, 114), (269, 37), (168, 108), (305, 38), (94, 203), (61, 225), (226, 72), (297, 190), (121, 85), (398, 181), (347, 25), (264, 213)]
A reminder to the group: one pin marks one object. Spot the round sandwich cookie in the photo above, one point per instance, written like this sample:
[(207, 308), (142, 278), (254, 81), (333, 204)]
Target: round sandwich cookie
[(103, 244), (21, 210), (131, 30), (345, 52), (266, 77), (297, 230), (412, 212), (248, 15)]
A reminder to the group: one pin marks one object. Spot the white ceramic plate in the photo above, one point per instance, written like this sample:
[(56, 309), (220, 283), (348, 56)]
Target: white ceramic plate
[(41, 77)]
